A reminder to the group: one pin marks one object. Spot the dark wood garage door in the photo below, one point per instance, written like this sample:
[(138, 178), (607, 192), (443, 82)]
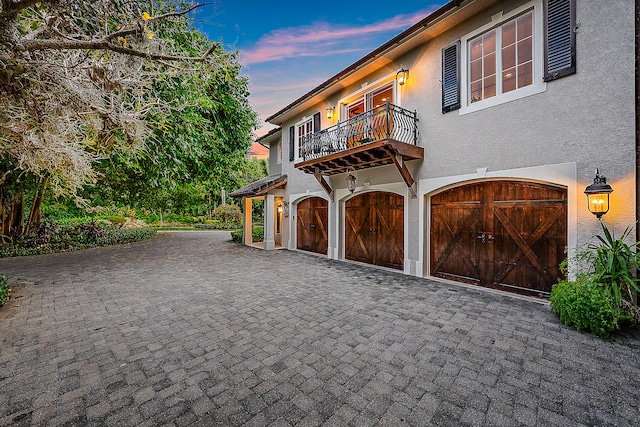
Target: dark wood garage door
[(501, 234), (312, 215), (374, 229)]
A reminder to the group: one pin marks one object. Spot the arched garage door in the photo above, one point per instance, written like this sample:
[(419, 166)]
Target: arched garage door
[(311, 226), (374, 229), (507, 235)]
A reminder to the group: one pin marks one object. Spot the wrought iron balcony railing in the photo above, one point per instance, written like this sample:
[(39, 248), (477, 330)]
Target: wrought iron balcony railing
[(386, 122)]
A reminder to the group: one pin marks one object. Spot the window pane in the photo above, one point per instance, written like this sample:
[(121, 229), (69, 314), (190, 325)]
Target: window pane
[(524, 26), (490, 65), (381, 97), (490, 87), (476, 49), (509, 34), (509, 57), (489, 42), (509, 80), (476, 70), (476, 91), (525, 75), (524, 50)]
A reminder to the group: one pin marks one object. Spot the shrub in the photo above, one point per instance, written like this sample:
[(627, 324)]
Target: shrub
[(5, 290), (116, 219), (586, 306), (614, 265), (257, 235), (72, 238), (228, 214)]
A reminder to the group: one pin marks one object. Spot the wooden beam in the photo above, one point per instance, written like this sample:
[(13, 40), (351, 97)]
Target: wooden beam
[(404, 172), (324, 184)]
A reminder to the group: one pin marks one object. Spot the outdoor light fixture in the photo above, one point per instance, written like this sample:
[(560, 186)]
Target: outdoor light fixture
[(279, 208), (286, 208), (330, 111), (598, 195), (351, 182), (402, 76)]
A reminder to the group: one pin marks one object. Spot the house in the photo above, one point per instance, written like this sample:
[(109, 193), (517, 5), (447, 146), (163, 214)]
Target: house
[(461, 148)]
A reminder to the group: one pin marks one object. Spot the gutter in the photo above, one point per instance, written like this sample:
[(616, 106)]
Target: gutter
[(400, 38)]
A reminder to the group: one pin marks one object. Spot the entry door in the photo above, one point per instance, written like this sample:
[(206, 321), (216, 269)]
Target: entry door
[(501, 234), (312, 219), (374, 229)]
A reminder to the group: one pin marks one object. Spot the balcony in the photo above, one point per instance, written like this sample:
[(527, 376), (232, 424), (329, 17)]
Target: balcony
[(384, 135)]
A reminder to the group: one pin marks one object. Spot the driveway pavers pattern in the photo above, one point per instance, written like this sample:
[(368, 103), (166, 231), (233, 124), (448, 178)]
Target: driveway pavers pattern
[(190, 329)]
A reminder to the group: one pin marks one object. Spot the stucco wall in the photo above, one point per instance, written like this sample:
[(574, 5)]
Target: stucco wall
[(579, 122)]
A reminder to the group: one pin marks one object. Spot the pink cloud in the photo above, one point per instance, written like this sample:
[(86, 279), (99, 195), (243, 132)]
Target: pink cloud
[(323, 39)]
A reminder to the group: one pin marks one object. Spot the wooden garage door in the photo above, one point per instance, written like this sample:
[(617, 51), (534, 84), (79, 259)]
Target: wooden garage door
[(374, 229), (501, 234), (312, 215)]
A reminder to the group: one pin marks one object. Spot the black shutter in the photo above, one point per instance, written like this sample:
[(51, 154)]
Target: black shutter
[(559, 38), (292, 143), (451, 77), (316, 122)]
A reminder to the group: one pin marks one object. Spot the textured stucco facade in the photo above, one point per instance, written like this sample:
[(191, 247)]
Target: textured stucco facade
[(558, 135)]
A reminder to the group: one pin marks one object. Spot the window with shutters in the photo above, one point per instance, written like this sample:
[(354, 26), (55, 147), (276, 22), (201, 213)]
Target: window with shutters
[(503, 60), (302, 129)]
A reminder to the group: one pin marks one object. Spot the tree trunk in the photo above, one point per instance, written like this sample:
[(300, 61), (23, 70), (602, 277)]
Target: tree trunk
[(34, 215)]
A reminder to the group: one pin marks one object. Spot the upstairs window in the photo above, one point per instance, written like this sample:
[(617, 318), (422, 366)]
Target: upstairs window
[(302, 130), (501, 60)]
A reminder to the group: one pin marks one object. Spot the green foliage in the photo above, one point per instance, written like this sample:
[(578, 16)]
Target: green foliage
[(115, 219), (257, 235), (5, 290), (65, 238), (228, 214), (586, 306), (614, 265)]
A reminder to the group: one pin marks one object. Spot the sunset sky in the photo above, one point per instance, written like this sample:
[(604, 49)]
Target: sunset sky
[(289, 47)]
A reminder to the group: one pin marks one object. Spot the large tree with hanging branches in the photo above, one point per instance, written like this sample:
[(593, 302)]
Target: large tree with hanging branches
[(83, 82)]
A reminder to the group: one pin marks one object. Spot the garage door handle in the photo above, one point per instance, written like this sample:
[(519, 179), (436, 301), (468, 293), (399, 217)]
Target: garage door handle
[(312, 226), (482, 237)]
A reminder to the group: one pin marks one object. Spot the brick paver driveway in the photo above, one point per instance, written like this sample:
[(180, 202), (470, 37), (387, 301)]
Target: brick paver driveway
[(192, 329)]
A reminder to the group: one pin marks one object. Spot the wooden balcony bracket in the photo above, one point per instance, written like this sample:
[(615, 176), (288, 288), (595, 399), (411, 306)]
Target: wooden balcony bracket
[(404, 172), (324, 184)]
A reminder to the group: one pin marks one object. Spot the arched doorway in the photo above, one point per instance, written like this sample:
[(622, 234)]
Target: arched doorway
[(374, 229), (311, 225), (508, 235)]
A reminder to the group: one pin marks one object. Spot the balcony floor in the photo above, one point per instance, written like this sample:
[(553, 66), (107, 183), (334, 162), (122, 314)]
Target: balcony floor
[(364, 156)]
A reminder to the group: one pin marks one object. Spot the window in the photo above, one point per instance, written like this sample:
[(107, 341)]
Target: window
[(511, 57), (368, 102), (280, 151), (501, 60), (302, 130), (298, 133)]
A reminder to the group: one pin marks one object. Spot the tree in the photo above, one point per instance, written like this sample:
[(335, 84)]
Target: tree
[(78, 85)]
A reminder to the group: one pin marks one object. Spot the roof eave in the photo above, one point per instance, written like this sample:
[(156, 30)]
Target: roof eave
[(385, 49)]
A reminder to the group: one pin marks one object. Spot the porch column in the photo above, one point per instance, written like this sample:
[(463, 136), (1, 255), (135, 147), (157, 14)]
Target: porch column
[(269, 222), (248, 226)]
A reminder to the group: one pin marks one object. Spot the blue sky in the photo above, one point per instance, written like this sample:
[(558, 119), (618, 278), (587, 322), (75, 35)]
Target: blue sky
[(289, 47)]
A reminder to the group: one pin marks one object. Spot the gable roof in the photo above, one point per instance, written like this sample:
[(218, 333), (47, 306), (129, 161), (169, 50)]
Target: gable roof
[(261, 186)]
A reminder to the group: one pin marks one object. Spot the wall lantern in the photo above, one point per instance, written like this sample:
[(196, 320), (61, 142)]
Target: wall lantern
[(286, 208), (280, 208), (351, 182), (330, 111), (402, 76), (598, 195)]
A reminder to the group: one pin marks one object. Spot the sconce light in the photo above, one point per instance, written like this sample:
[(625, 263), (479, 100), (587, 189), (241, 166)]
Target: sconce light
[(351, 182), (598, 195), (402, 76), (330, 111), (280, 208), (286, 208)]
